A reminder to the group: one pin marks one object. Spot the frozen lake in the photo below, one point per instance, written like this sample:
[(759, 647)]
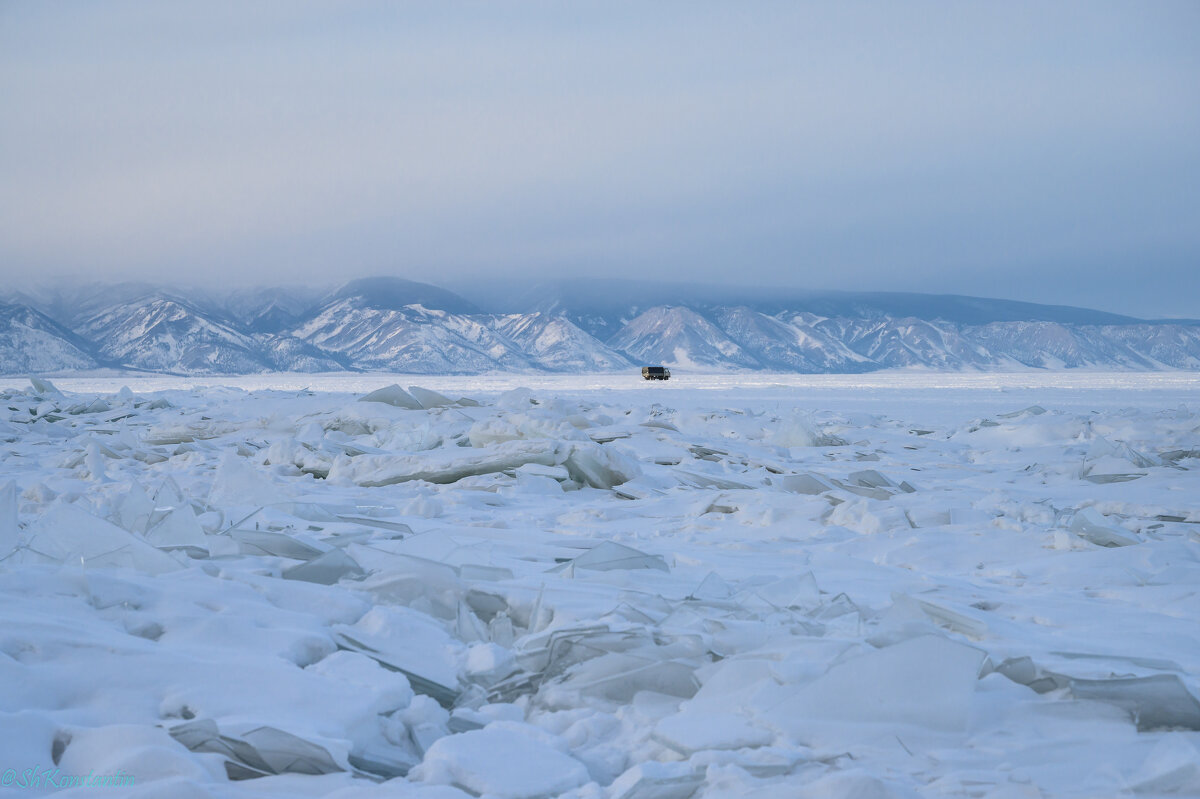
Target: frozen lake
[(883, 585), (878, 390)]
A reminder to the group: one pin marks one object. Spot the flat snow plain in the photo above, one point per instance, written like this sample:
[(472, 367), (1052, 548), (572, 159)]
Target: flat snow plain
[(888, 585)]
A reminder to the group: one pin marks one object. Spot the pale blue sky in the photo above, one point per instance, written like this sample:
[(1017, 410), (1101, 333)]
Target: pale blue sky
[(1039, 151)]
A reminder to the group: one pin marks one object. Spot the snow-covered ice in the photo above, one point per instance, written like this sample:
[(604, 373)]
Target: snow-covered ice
[(514, 586)]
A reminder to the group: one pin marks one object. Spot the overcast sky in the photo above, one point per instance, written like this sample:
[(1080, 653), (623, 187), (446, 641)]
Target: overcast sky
[(1043, 151)]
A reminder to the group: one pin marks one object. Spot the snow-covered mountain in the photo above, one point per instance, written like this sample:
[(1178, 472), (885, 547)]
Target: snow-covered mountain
[(558, 345), (384, 324), (1175, 345), (160, 333), (409, 339), (388, 324), (792, 344), (30, 341), (681, 337), (271, 309), (907, 341)]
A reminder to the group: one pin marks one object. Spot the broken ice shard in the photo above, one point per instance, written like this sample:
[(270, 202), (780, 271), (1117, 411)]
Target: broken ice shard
[(600, 467), (180, 530), (610, 555), (393, 395), (257, 753), (69, 535), (446, 465), (261, 542), (428, 398), (1157, 702), (1092, 526), (326, 569)]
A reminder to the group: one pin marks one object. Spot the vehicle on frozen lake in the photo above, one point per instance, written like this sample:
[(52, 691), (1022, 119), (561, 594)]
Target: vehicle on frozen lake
[(656, 373)]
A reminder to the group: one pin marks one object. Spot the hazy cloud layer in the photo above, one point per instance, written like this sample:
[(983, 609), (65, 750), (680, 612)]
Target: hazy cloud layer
[(1046, 152)]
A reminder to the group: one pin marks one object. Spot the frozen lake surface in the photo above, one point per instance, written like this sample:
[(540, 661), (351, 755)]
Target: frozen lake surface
[(885, 585), (887, 390)]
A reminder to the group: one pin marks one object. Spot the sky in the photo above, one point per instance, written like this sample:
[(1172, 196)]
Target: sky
[(1047, 152)]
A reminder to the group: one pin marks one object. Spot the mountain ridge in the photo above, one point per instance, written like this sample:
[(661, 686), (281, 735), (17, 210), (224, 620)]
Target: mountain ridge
[(605, 297), (393, 324)]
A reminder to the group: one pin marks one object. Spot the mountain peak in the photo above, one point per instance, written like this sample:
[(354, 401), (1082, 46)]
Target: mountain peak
[(394, 293)]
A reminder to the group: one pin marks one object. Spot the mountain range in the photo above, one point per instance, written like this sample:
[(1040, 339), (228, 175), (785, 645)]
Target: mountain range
[(395, 325)]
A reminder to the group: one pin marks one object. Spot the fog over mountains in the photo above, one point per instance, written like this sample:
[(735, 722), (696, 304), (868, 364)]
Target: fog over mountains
[(389, 324)]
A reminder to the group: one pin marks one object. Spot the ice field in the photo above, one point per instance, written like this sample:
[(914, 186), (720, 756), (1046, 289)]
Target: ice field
[(868, 586)]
